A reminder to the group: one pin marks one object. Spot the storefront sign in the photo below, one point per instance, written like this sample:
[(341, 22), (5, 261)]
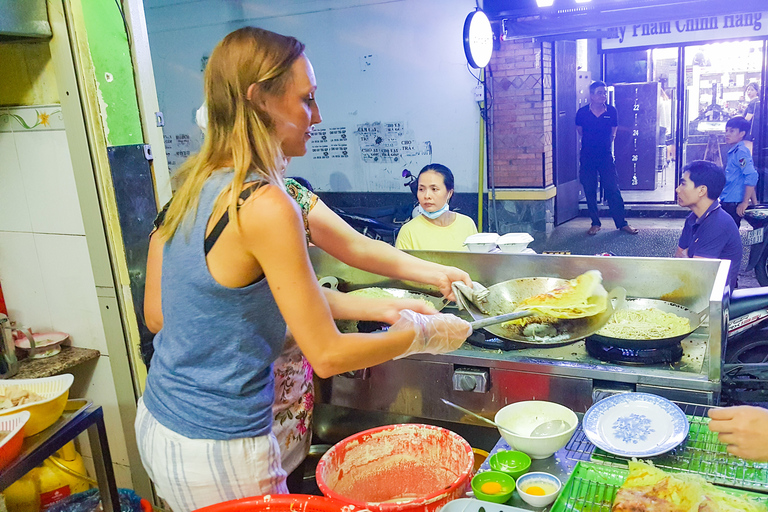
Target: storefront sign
[(687, 30)]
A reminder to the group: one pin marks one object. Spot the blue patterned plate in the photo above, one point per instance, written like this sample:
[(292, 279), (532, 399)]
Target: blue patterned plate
[(635, 425)]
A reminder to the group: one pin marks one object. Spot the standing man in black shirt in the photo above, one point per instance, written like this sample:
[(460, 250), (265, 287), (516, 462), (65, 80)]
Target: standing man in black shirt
[(596, 125)]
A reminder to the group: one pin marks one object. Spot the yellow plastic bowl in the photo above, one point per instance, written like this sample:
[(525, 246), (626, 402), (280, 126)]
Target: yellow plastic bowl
[(43, 414)]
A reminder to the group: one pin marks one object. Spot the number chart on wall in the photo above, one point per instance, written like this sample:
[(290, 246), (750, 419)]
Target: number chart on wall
[(637, 135)]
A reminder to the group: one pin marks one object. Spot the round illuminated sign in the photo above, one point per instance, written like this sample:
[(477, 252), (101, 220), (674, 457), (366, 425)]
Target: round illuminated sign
[(478, 39)]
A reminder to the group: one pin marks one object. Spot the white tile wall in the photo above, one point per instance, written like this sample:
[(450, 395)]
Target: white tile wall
[(94, 389), (70, 290), (49, 182), (22, 280), (14, 212), (45, 268)]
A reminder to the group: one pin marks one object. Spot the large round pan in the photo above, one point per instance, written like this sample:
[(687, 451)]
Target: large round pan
[(374, 291), (504, 297), (438, 302), (694, 318)]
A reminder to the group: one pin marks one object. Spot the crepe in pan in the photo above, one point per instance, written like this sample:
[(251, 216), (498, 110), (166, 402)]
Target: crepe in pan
[(580, 297)]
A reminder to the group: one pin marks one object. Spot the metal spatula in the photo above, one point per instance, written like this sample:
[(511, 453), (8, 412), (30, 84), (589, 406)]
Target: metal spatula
[(493, 320)]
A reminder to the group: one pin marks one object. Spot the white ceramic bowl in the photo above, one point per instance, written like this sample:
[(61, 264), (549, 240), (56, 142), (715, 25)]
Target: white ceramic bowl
[(523, 417), (481, 242), (545, 481), (514, 242)]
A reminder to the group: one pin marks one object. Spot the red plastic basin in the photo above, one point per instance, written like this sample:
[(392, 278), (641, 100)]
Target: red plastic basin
[(10, 446), (397, 468), (279, 503)]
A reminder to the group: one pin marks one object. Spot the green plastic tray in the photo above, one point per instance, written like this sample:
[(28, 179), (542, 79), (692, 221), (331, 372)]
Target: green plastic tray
[(703, 454), (592, 487)]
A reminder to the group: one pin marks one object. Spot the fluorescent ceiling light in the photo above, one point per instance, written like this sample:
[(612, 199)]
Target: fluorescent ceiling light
[(545, 3)]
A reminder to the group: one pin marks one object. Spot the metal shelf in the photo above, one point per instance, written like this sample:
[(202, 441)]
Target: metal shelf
[(79, 416)]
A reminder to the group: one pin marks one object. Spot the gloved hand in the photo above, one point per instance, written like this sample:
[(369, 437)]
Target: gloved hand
[(435, 334)]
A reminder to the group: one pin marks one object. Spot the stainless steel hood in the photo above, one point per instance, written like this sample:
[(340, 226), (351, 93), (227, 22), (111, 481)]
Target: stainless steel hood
[(23, 19)]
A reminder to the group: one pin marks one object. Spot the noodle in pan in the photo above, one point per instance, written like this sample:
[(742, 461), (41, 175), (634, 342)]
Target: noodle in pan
[(644, 324)]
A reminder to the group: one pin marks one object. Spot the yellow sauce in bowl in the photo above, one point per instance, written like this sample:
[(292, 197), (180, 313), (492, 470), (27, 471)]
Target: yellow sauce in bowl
[(491, 488), (540, 489)]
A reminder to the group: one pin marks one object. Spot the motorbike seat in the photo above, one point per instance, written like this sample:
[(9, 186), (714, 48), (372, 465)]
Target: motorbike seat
[(746, 300), (375, 212)]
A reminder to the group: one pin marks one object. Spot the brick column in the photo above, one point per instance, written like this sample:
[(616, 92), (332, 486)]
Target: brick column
[(522, 135), (522, 114)]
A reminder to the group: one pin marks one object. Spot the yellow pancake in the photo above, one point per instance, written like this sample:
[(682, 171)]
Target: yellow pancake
[(580, 297)]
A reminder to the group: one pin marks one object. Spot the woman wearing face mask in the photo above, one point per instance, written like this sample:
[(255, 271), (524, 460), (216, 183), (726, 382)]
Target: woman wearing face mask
[(203, 425), (437, 228)]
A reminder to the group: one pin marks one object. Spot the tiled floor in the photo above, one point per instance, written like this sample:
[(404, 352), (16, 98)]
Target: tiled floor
[(657, 238)]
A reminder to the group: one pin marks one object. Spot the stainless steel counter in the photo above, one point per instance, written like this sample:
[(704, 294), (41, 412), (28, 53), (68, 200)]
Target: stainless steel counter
[(485, 380)]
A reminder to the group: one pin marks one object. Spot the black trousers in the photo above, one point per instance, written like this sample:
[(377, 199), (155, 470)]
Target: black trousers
[(730, 208), (609, 180)]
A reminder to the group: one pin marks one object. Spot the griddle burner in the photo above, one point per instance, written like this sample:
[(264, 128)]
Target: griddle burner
[(670, 354)]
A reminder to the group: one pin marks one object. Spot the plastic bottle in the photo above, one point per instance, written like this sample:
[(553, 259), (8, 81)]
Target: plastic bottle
[(59, 476)]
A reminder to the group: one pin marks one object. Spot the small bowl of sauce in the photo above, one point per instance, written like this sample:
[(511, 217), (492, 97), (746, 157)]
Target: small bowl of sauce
[(538, 489), (493, 486)]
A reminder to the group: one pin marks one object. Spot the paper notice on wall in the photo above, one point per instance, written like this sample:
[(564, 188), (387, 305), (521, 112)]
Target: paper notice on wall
[(388, 142), (178, 147), (329, 143)]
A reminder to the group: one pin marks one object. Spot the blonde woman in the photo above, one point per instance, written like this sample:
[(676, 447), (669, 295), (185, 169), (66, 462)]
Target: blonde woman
[(204, 423)]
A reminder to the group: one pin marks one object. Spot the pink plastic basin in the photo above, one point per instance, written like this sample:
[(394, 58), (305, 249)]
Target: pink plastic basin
[(397, 468)]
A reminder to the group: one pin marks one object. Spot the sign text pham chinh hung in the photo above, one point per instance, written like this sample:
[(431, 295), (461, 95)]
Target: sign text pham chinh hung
[(686, 30)]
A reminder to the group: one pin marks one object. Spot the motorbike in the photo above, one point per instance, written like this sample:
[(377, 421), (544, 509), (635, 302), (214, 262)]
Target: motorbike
[(757, 216), (412, 182), (380, 223), (745, 355)]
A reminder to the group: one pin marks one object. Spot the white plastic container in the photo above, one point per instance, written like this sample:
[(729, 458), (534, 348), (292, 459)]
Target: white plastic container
[(514, 242), (474, 505), (481, 242)]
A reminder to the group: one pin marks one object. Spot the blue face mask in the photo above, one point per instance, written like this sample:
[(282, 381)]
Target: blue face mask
[(435, 214)]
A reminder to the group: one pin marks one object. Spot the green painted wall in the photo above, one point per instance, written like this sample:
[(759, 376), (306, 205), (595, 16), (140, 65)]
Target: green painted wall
[(114, 71)]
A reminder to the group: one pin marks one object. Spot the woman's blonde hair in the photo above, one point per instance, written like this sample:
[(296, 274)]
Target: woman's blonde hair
[(240, 132)]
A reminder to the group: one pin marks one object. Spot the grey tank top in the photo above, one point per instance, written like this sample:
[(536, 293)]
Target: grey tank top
[(211, 375)]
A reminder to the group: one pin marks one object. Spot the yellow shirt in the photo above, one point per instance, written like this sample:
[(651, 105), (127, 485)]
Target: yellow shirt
[(422, 235)]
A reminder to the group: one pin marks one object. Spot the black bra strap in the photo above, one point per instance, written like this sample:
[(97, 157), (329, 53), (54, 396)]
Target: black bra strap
[(215, 233)]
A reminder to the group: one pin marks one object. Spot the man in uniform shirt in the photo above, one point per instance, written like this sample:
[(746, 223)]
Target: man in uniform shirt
[(740, 174), (596, 125), (709, 232)]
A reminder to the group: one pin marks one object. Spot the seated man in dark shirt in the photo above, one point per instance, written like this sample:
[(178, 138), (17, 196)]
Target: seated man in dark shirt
[(709, 231)]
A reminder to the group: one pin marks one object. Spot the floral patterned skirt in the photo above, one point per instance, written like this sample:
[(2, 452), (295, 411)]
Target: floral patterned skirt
[(294, 401)]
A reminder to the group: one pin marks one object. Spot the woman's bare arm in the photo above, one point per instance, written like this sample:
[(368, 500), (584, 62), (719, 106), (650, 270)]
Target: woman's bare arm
[(340, 240), (272, 232), (153, 311)]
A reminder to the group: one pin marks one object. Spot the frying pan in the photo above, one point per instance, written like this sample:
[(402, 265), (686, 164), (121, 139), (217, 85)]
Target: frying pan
[(371, 326), (438, 302), (695, 319), (503, 297)]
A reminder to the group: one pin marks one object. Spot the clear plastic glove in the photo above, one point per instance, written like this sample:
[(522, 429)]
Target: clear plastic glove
[(435, 334)]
